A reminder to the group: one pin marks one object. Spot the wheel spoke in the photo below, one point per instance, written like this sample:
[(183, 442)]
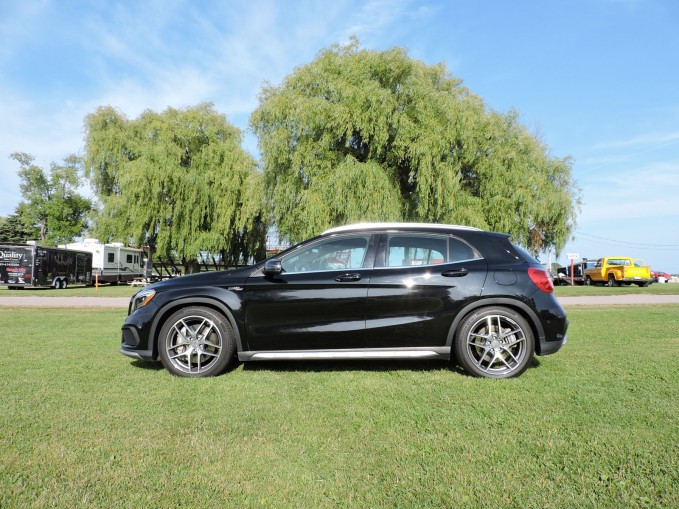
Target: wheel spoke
[(186, 353), (490, 362), (184, 339), (509, 352), (510, 333), (198, 329), (209, 354)]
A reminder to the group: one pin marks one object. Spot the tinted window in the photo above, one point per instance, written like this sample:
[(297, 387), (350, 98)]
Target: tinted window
[(409, 250), (129, 258), (331, 254), (111, 257), (460, 251)]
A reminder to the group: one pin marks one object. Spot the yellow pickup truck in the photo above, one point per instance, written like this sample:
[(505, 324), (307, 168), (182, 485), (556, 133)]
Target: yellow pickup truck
[(619, 270)]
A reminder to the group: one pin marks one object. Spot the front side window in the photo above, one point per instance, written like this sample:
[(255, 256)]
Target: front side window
[(330, 254)]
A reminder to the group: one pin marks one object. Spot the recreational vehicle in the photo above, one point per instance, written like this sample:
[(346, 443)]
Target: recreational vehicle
[(113, 263)]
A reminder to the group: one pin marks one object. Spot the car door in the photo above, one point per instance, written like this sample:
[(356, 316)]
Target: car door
[(419, 283), (317, 302)]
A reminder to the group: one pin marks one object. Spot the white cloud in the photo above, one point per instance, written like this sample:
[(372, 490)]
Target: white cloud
[(647, 192), (659, 138)]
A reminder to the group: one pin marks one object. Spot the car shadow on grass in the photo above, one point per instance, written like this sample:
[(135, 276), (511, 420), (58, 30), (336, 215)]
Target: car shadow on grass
[(158, 366), (148, 365), (372, 365), (329, 366), (367, 365)]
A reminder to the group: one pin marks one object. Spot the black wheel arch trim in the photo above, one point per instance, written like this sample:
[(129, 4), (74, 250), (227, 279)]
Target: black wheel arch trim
[(514, 304), (174, 305)]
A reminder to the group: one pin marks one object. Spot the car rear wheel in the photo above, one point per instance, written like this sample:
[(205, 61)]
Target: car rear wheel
[(494, 342), (196, 342)]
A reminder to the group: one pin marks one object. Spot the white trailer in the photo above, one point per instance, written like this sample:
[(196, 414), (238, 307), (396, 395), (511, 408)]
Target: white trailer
[(113, 263)]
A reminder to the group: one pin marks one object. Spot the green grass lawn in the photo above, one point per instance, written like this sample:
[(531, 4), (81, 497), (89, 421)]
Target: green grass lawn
[(654, 289), (596, 425)]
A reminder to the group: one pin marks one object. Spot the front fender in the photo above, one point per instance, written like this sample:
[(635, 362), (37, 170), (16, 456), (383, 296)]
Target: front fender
[(226, 302)]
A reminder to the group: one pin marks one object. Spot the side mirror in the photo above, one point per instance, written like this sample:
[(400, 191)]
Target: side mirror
[(272, 267)]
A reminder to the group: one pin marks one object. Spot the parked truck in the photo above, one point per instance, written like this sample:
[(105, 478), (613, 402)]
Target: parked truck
[(33, 266), (564, 277), (113, 263), (619, 270)]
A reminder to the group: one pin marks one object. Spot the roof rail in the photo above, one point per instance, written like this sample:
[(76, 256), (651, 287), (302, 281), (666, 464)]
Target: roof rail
[(388, 226)]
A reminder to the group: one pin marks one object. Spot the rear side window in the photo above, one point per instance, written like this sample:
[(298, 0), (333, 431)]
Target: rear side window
[(408, 250), (461, 251)]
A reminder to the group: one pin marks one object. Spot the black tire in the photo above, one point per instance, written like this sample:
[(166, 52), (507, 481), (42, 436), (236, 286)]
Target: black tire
[(494, 342), (196, 342), (611, 281), (64, 284), (588, 281)]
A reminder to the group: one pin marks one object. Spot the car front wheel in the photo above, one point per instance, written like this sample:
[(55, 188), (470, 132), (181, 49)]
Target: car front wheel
[(494, 342), (196, 342)]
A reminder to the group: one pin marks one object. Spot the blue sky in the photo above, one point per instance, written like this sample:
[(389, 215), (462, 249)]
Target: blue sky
[(597, 80)]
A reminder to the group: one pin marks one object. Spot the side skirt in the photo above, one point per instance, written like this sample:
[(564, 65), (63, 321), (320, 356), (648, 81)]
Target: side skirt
[(365, 353)]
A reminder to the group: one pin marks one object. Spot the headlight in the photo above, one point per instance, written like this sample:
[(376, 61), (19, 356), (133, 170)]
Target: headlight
[(140, 299)]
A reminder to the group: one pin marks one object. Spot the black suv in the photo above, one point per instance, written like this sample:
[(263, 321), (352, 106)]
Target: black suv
[(367, 291)]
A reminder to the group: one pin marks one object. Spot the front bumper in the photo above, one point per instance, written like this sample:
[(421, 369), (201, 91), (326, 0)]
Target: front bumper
[(136, 332), (131, 344)]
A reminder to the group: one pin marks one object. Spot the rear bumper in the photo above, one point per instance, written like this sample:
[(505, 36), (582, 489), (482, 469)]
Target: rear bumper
[(550, 347), (554, 322)]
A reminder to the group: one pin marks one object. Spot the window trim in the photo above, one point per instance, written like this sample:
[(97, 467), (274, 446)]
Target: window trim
[(368, 259), (381, 258)]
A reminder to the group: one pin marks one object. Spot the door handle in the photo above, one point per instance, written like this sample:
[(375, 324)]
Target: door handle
[(346, 278), (455, 272)]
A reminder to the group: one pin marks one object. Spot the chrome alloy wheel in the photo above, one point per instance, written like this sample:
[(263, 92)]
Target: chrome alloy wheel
[(194, 344), (496, 345)]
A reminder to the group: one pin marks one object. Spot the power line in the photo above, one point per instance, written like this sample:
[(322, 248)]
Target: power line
[(640, 245)]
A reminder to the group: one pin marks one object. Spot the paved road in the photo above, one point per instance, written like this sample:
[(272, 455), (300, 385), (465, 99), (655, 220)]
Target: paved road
[(121, 302), (607, 300), (66, 302)]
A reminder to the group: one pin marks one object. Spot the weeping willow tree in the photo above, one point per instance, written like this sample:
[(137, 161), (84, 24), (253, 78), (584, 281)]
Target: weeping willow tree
[(360, 135), (177, 181)]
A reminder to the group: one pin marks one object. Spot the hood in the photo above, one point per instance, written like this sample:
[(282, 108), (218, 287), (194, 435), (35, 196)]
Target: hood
[(205, 279)]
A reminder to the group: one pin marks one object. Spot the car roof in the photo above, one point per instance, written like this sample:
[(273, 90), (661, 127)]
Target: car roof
[(398, 226)]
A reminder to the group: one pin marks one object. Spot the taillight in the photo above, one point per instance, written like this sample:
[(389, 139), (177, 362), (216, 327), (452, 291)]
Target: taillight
[(541, 279)]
